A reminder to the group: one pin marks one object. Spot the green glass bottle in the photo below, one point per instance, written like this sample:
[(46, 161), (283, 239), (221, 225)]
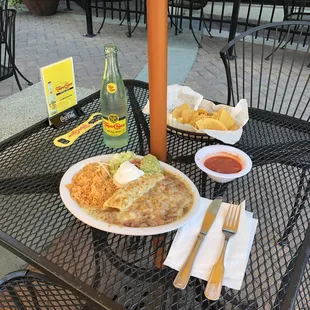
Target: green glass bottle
[(113, 101)]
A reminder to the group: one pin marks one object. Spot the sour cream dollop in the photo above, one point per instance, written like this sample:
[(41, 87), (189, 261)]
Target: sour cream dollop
[(126, 172)]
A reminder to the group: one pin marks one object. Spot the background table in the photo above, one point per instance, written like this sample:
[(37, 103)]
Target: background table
[(117, 271)]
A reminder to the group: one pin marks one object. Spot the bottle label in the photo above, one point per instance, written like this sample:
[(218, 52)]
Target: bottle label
[(113, 125), (111, 88)]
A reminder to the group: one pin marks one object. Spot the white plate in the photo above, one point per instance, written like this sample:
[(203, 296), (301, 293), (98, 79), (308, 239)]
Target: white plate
[(82, 215)]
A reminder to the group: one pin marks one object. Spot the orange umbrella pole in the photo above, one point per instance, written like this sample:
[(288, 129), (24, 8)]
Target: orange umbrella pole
[(157, 29)]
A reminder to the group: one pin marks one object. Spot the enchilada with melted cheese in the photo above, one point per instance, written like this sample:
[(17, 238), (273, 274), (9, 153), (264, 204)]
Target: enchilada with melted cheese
[(130, 192), (152, 200)]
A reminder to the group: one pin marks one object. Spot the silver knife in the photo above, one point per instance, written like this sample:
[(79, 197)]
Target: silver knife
[(184, 274)]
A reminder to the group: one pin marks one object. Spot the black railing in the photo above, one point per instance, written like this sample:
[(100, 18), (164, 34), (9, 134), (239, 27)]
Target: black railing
[(81, 3), (218, 14)]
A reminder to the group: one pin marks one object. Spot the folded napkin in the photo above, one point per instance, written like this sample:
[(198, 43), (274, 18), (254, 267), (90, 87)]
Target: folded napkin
[(237, 252)]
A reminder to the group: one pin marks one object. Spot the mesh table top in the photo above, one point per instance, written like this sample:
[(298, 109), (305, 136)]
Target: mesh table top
[(118, 271)]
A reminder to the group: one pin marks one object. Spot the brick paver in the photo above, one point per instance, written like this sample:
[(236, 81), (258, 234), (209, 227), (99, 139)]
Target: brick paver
[(43, 40)]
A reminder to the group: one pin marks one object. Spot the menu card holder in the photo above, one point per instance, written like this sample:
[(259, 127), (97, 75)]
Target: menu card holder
[(60, 92), (66, 116)]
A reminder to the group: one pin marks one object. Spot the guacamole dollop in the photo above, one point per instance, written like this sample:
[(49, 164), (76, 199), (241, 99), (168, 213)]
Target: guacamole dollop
[(150, 164)]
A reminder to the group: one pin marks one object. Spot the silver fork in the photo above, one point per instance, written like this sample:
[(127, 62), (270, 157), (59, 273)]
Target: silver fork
[(230, 227)]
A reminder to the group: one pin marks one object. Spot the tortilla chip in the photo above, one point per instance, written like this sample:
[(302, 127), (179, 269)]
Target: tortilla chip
[(193, 124), (214, 115), (210, 123), (234, 127), (194, 117), (177, 112), (187, 115), (184, 106), (225, 118), (180, 120), (202, 116), (202, 111)]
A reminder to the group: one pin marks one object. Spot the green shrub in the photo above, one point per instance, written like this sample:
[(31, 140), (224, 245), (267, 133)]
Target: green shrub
[(15, 2)]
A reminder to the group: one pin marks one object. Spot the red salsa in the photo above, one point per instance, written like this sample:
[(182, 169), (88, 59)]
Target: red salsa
[(223, 164)]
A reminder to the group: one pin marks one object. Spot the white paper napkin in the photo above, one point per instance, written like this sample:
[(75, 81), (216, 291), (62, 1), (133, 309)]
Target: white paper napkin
[(237, 252)]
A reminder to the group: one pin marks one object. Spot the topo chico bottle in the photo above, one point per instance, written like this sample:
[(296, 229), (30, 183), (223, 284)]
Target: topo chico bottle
[(113, 101)]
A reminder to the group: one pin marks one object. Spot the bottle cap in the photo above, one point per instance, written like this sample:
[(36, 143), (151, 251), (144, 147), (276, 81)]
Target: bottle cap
[(110, 48)]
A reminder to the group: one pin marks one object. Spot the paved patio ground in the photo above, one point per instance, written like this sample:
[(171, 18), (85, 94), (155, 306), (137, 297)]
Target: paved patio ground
[(44, 40)]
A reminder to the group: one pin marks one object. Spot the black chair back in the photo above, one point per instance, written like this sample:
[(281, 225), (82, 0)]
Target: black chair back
[(24, 289), (296, 10), (4, 4), (189, 4), (7, 43), (280, 84)]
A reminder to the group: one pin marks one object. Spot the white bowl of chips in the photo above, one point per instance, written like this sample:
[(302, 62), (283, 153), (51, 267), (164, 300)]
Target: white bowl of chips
[(212, 160), (188, 111), (221, 121)]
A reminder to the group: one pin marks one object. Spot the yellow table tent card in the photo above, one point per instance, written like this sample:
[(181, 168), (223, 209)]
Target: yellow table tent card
[(59, 86)]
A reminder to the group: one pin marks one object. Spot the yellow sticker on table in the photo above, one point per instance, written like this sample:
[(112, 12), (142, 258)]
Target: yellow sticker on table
[(59, 86), (113, 125), (111, 88)]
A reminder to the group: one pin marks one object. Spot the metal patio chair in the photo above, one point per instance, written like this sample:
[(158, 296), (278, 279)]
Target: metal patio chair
[(25, 289), (294, 10), (276, 90), (4, 4), (178, 6), (126, 16), (8, 67)]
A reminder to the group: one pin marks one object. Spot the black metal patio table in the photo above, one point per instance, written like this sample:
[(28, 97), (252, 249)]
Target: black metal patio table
[(114, 271)]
